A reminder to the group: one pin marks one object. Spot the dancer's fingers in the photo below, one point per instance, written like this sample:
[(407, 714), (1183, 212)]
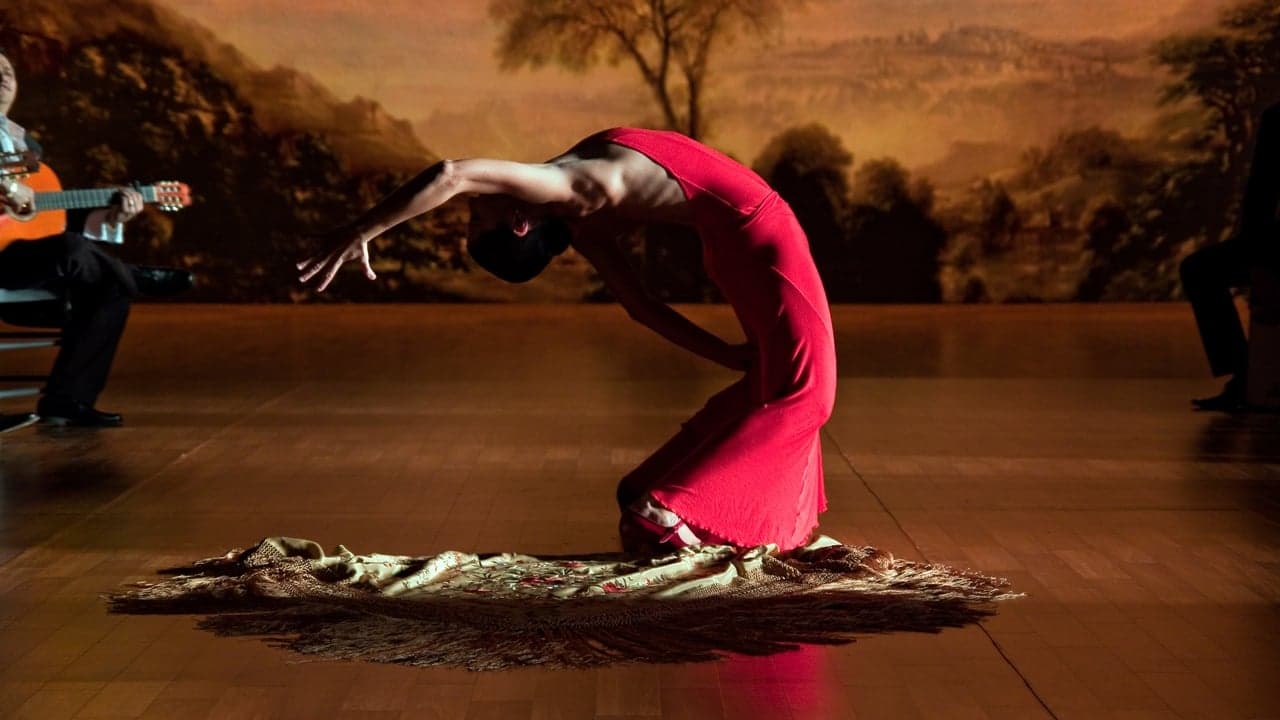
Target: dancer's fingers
[(310, 272), (364, 258), (330, 275), (321, 263)]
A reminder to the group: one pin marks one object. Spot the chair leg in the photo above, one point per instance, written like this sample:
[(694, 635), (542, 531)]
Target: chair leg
[(26, 340)]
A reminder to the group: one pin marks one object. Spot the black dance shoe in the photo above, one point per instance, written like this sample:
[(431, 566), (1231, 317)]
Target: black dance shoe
[(64, 413), (160, 282), (16, 421), (1231, 399)]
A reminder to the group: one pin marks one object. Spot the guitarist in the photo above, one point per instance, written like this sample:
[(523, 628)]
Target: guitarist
[(98, 286), (1210, 273)]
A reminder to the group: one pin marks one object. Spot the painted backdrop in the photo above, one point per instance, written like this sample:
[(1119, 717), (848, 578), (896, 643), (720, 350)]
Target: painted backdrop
[(935, 150)]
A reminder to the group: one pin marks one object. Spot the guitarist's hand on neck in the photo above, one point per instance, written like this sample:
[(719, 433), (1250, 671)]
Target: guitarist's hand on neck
[(124, 206), (17, 197)]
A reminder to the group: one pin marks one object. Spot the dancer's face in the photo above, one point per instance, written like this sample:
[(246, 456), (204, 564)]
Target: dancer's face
[(8, 85), (489, 212)]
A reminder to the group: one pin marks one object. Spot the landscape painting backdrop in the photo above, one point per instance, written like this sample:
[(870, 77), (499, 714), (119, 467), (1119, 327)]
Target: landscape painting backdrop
[(935, 150)]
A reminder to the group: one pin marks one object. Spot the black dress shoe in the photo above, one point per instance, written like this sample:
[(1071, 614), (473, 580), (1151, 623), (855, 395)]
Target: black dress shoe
[(74, 414), (19, 420), (1231, 399), (158, 282)]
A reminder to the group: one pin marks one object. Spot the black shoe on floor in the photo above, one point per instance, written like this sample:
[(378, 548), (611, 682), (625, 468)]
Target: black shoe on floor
[(159, 282), (1231, 399), (74, 414), (16, 421)]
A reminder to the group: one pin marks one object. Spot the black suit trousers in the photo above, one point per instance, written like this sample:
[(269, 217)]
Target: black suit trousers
[(98, 288), (1208, 276)]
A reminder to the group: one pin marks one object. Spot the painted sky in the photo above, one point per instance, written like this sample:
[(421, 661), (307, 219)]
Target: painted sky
[(421, 59)]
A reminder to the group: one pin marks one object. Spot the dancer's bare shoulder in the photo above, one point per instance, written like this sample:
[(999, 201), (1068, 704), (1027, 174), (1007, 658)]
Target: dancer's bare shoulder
[(629, 181)]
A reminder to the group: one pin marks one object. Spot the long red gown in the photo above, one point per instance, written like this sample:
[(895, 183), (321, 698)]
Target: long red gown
[(748, 466)]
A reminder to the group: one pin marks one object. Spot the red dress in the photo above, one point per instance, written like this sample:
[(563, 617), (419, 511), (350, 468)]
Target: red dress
[(748, 466)]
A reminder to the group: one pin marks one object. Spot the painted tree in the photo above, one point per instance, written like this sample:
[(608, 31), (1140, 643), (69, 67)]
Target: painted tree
[(809, 167), (1231, 71), (670, 42), (894, 242)]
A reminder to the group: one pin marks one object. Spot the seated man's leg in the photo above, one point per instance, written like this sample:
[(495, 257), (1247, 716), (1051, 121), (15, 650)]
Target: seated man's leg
[(89, 342), (1208, 275), (64, 263), (28, 264), (98, 288)]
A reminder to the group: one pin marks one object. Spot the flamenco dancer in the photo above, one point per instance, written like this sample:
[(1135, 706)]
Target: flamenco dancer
[(745, 470)]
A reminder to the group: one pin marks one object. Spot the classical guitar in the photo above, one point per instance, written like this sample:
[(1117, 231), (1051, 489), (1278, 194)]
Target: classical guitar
[(49, 216)]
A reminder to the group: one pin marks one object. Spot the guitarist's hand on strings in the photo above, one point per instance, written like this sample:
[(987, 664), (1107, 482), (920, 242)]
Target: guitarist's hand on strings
[(344, 245), (126, 205), (17, 197)]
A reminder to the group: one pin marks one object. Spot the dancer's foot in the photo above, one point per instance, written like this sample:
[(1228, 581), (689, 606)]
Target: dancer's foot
[(643, 536), (649, 528), (1231, 399)]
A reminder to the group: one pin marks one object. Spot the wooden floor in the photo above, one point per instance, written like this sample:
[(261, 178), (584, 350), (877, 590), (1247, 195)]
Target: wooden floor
[(1051, 445)]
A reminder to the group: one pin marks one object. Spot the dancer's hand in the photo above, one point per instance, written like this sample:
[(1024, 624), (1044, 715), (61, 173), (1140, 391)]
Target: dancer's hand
[(344, 245)]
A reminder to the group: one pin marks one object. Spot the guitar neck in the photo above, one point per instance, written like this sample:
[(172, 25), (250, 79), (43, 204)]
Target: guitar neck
[(82, 199)]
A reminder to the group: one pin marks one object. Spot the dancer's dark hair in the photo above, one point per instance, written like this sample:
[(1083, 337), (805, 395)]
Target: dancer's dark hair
[(520, 258)]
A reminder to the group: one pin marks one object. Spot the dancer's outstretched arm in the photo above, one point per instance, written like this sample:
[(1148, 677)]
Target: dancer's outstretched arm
[(607, 258), (536, 184)]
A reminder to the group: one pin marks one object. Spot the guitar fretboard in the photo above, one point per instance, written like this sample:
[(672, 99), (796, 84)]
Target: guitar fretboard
[(82, 199)]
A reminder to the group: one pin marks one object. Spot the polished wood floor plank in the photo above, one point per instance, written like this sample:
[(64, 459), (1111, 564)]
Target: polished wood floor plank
[(1051, 445)]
